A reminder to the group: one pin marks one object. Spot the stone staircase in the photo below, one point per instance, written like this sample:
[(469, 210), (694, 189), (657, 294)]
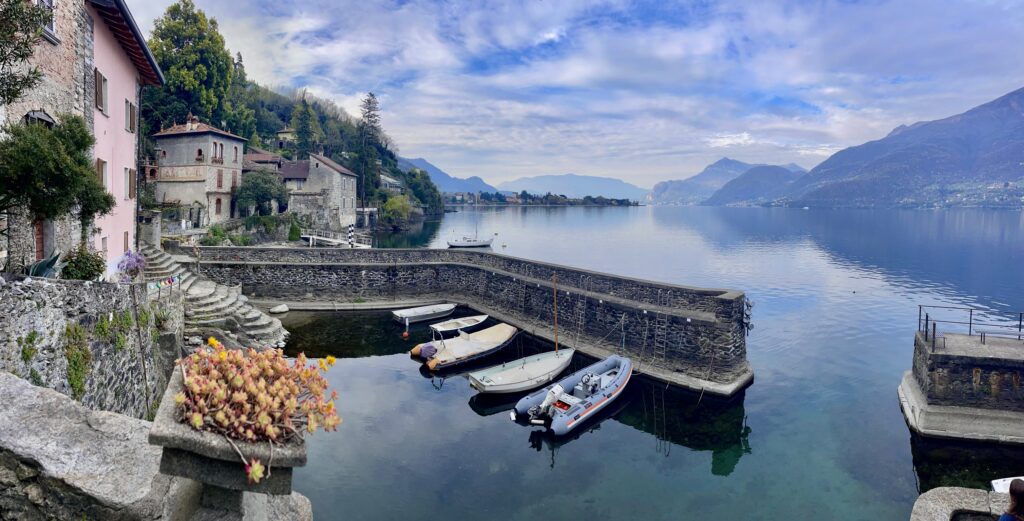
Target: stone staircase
[(208, 304)]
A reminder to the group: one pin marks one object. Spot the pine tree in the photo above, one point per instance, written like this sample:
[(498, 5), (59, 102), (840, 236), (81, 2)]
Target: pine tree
[(304, 133), (369, 139)]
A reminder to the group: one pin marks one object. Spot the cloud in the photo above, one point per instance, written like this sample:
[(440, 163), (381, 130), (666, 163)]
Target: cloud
[(640, 90)]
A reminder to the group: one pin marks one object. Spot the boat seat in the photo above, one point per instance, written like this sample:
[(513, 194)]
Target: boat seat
[(569, 399)]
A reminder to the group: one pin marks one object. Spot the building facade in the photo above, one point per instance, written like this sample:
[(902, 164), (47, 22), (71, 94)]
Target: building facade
[(82, 37), (122, 66), (321, 192), (198, 169)]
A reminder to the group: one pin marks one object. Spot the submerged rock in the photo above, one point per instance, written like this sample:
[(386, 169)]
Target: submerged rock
[(281, 308)]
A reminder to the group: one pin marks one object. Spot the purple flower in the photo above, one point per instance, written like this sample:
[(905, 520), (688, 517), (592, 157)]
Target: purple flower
[(131, 266)]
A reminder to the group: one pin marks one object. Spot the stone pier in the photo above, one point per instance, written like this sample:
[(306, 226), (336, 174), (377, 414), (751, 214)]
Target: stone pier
[(686, 336), (962, 388)]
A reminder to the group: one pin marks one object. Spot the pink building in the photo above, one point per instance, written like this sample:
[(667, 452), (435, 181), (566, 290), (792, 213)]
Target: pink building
[(123, 65)]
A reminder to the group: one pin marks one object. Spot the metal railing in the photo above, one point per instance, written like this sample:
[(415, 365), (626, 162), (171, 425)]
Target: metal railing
[(340, 237), (975, 321)]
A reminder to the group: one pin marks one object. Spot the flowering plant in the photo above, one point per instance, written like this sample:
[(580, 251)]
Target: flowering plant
[(131, 266), (254, 397)]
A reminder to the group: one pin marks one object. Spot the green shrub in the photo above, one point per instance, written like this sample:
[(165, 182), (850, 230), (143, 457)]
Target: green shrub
[(294, 232), (83, 264), (120, 341), (144, 316), (79, 357), (123, 321), (163, 318), (103, 327), (241, 240), (35, 378)]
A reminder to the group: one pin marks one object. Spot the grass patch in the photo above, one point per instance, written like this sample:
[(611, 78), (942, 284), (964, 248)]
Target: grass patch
[(120, 340), (28, 346), (35, 378), (79, 357), (144, 316)]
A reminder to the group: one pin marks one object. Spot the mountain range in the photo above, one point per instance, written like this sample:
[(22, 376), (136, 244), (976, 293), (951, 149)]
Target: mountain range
[(700, 187), (758, 185), (445, 182), (572, 185)]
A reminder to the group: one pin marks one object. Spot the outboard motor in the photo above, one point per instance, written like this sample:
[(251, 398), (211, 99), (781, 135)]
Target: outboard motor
[(544, 409)]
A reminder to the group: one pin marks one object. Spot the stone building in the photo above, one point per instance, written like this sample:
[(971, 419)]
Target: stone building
[(198, 169), (390, 184), (83, 38), (285, 137), (259, 159), (321, 191)]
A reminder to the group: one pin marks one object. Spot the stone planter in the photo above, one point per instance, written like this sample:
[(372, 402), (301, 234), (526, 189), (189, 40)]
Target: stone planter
[(210, 459)]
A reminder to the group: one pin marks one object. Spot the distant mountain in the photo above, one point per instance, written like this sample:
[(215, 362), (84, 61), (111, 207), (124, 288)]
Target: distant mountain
[(699, 187), (445, 182), (974, 158), (759, 185), (572, 185)]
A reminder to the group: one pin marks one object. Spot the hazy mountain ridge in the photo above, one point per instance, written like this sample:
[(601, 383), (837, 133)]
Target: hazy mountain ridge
[(444, 181), (972, 158), (759, 185), (573, 185), (697, 189)]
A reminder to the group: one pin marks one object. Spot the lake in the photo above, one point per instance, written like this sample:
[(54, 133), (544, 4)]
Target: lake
[(819, 434)]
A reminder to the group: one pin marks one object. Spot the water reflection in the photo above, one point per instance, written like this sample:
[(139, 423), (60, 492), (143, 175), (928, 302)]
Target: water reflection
[(953, 463), (418, 235)]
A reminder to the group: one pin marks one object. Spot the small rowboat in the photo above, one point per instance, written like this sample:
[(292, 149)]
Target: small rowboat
[(441, 353), (459, 324), (566, 404), (423, 313), (1003, 485), (523, 374)]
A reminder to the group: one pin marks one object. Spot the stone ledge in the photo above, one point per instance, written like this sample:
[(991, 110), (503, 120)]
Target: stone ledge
[(942, 504), (966, 423)]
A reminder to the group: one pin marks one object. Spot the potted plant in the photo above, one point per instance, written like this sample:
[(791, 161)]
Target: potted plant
[(234, 420)]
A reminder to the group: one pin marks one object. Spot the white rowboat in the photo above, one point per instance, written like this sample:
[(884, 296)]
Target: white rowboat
[(523, 374), (442, 353), (458, 324), (423, 313)]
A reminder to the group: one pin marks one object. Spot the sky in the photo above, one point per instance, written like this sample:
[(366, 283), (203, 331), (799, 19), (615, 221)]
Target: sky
[(640, 91)]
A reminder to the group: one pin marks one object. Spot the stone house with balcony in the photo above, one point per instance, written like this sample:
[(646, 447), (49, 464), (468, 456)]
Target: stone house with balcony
[(94, 60), (198, 168), (321, 192)]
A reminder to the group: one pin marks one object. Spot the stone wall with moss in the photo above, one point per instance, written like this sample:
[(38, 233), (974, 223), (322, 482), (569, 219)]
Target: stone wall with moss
[(91, 341)]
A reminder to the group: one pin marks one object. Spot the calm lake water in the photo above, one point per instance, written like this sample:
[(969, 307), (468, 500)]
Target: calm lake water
[(818, 435)]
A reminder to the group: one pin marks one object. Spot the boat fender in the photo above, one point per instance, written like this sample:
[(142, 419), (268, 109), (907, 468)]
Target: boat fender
[(428, 350)]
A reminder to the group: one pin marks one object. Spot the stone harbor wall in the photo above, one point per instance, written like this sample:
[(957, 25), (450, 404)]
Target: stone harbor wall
[(957, 379), (85, 340), (689, 336)]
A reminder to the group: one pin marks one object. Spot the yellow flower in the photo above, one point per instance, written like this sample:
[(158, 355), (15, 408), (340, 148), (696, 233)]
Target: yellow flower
[(323, 366), (212, 341), (223, 356), (331, 360)]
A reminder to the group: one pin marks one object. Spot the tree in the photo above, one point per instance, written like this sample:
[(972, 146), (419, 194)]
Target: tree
[(369, 139), (21, 26), (302, 122), (239, 118), (49, 173), (396, 211), (258, 189), (197, 67)]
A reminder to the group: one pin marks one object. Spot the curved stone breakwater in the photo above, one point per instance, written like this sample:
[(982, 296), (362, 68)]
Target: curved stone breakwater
[(690, 337)]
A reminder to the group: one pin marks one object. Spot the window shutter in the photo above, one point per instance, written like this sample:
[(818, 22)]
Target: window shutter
[(98, 85), (135, 118), (131, 183), (99, 170)]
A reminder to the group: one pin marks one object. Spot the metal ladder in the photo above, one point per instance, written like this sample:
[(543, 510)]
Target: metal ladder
[(659, 349)]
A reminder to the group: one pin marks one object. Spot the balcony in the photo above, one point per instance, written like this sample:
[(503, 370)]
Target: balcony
[(217, 160)]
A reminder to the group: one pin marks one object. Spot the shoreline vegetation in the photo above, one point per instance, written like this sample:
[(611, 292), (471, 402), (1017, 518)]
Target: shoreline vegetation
[(527, 199)]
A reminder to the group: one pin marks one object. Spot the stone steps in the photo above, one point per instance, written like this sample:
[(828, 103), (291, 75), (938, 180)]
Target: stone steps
[(211, 305)]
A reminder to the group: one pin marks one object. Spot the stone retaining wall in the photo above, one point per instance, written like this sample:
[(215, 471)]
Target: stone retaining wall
[(123, 365), (980, 381), (697, 333)]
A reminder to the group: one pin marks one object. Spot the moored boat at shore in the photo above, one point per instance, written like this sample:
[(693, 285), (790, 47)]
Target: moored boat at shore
[(459, 324), (523, 374), (564, 405), (441, 353), (422, 313)]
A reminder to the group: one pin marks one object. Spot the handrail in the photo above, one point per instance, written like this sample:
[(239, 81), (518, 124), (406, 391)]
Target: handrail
[(975, 317)]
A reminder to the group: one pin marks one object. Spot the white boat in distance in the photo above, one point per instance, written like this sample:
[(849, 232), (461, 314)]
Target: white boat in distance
[(458, 324), (423, 313), (523, 374), (441, 353), (470, 242)]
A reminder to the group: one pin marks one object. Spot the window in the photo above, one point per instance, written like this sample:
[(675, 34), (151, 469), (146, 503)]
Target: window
[(217, 206), (222, 151), (101, 172), (101, 90), (126, 246), (103, 246), (234, 180), (131, 117), (199, 155), (236, 154), (50, 27), (220, 180), (129, 183)]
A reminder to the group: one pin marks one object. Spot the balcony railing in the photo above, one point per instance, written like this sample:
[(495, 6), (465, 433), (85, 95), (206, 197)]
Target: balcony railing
[(217, 160)]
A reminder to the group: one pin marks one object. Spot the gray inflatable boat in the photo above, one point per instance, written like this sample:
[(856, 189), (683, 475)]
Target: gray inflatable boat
[(564, 405)]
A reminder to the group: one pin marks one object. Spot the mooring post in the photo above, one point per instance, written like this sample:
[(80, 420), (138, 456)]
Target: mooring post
[(933, 335), (919, 308), (970, 321), (926, 327), (1020, 322)]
